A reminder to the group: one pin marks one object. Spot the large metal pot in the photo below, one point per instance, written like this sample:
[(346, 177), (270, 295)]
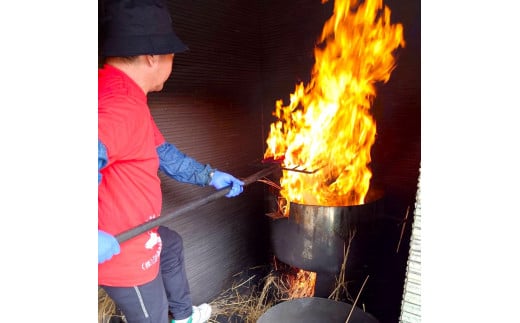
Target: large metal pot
[(313, 237), (315, 309)]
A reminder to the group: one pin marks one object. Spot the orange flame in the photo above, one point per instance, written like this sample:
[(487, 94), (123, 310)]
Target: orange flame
[(302, 284), (327, 124)]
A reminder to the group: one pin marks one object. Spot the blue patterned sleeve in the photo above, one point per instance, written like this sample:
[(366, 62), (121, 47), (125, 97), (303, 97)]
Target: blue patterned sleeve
[(102, 158), (181, 167)]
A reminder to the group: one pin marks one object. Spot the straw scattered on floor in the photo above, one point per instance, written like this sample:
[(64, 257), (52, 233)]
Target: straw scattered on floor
[(106, 307)]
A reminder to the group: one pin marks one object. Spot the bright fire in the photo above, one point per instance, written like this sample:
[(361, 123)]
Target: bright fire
[(302, 284), (327, 124)]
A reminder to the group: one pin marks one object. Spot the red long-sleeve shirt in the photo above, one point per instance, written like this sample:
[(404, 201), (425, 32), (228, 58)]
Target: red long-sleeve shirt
[(129, 193)]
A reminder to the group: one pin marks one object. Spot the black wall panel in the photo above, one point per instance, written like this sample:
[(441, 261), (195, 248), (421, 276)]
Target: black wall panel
[(225, 52)]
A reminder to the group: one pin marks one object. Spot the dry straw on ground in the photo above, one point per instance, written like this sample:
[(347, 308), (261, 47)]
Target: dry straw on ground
[(106, 307), (244, 300)]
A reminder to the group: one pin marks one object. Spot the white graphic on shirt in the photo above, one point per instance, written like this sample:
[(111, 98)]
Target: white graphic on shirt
[(152, 241)]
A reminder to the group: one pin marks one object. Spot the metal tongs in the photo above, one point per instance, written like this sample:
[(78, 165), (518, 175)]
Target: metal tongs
[(297, 168)]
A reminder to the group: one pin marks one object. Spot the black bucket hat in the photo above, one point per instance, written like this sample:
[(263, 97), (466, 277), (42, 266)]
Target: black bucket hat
[(138, 27)]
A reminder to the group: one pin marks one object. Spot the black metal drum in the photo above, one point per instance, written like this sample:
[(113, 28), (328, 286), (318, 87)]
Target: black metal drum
[(313, 237)]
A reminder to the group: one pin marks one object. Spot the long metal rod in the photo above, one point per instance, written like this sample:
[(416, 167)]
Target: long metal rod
[(135, 231)]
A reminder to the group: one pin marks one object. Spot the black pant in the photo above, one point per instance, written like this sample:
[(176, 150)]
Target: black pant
[(149, 303)]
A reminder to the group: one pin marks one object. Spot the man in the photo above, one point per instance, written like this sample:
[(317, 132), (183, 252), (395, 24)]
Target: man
[(144, 276)]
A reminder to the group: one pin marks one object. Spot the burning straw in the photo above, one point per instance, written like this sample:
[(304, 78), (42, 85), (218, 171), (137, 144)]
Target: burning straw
[(247, 301)]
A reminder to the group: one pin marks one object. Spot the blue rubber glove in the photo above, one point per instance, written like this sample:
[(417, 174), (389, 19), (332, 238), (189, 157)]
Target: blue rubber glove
[(107, 246), (221, 180)]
